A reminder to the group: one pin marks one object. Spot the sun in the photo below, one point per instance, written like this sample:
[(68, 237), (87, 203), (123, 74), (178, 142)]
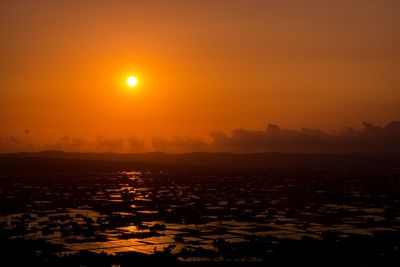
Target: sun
[(132, 81)]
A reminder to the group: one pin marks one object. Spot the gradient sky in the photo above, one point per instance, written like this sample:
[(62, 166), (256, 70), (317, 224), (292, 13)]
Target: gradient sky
[(203, 66)]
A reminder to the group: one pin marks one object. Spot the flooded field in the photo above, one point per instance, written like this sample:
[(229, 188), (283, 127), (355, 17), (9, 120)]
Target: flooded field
[(197, 213)]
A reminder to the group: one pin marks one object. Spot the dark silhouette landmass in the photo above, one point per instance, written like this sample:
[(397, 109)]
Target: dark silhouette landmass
[(199, 209), (59, 159)]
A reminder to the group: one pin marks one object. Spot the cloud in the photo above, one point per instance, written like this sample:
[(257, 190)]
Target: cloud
[(370, 138), (70, 144), (104, 144), (100, 144), (136, 144), (12, 143), (178, 144)]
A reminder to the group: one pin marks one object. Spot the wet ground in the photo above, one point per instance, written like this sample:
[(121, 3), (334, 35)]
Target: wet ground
[(185, 210)]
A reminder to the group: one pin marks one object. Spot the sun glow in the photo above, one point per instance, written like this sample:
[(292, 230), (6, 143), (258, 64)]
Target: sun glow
[(132, 81)]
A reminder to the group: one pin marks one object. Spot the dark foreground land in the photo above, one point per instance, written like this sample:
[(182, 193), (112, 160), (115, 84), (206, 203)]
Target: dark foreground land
[(59, 209)]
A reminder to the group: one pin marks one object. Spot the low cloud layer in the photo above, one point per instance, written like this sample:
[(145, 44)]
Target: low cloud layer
[(179, 144), (100, 144), (369, 138)]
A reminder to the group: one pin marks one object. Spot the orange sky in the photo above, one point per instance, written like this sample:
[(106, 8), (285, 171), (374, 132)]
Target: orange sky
[(202, 66)]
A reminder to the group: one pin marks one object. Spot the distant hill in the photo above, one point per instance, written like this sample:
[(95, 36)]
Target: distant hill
[(57, 159)]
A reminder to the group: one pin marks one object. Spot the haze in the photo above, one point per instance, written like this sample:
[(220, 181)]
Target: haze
[(203, 66)]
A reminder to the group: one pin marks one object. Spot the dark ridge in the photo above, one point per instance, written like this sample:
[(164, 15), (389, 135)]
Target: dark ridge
[(57, 160)]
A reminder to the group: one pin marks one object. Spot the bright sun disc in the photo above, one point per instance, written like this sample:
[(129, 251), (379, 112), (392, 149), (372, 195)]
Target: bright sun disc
[(132, 81)]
